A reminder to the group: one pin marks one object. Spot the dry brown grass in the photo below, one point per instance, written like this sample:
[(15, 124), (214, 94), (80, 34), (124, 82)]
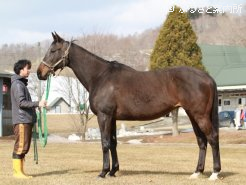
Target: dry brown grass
[(67, 123), (229, 136), (80, 163), (168, 160)]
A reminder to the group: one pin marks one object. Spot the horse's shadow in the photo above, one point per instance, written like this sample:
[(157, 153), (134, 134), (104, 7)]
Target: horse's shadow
[(151, 172), (132, 173), (205, 174)]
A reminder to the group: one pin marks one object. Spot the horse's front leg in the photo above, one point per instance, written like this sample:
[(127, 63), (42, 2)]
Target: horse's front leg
[(104, 122), (113, 140)]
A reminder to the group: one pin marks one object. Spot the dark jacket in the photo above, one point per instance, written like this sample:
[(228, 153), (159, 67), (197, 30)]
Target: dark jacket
[(23, 108)]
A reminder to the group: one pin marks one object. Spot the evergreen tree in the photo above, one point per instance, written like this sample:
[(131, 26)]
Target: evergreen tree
[(176, 44)]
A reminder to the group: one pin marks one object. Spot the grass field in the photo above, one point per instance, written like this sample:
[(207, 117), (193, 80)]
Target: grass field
[(167, 160), (70, 123), (80, 163)]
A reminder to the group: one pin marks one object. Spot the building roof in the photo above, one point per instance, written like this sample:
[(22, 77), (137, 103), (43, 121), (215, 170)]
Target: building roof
[(226, 64), (5, 74), (56, 100)]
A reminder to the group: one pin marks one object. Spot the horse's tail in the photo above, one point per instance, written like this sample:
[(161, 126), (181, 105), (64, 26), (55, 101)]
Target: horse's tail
[(214, 114)]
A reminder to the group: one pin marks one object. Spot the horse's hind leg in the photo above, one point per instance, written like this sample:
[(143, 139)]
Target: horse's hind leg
[(212, 136), (202, 143), (213, 139), (113, 145)]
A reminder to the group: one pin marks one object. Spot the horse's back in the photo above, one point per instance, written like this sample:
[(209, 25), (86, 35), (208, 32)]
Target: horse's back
[(147, 95)]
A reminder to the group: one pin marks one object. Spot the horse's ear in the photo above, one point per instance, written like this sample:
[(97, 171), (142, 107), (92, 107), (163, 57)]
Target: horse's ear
[(59, 39), (54, 36)]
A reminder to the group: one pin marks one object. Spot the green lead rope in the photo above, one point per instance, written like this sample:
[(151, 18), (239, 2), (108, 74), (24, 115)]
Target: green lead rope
[(42, 135)]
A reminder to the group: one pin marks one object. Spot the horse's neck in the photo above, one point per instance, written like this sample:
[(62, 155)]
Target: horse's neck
[(86, 66)]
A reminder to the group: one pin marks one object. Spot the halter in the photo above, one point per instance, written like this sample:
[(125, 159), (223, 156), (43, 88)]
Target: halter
[(63, 59)]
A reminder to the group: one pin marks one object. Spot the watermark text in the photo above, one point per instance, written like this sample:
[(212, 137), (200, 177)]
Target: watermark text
[(213, 10)]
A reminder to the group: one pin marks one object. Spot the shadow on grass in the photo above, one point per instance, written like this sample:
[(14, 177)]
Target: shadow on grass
[(57, 172), (141, 172), (151, 172), (222, 175), (205, 174)]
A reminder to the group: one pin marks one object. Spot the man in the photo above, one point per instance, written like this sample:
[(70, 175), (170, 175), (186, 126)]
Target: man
[(23, 115)]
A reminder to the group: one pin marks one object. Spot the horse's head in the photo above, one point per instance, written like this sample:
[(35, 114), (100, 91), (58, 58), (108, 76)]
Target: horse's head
[(55, 58)]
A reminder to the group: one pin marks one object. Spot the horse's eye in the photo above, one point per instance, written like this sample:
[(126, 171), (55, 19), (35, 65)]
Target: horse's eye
[(53, 50)]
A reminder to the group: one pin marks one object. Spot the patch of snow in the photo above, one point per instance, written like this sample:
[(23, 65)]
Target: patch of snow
[(74, 137), (135, 141), (57, 139), (92, 133)]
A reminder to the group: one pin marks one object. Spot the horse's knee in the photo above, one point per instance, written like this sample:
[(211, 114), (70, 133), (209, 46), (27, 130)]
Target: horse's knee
[(213, 139), (109, 144), (202, 145), (105, 146)]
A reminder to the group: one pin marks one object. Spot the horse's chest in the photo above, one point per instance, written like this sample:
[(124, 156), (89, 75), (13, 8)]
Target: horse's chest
[(102, 101)]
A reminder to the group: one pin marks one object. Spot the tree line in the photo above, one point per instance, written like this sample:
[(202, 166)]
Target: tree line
[(134, 50)]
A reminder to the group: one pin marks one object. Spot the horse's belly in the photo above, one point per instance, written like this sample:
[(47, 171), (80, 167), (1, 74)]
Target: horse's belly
[(142, 112), (141, 103)]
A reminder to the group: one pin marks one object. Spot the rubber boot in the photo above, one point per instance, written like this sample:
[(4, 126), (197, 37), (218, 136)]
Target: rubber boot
[(18, 172), (22, 168)]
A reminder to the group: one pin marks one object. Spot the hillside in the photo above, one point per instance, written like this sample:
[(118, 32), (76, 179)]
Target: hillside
[(221, 30), (133, 50)]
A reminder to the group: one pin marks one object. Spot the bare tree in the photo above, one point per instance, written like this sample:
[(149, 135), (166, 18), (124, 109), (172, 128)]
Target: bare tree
[(35, 86), (81, 100), (76, 94)]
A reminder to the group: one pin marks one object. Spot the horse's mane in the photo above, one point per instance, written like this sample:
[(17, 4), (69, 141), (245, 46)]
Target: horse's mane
[(88, 52), (117, 65), (114, 64)]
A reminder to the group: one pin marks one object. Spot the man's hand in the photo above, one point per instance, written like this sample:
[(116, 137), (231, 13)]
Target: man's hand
[(42, 103)]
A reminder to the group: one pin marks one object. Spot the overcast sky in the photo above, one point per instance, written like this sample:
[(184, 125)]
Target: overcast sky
[(31, 21)]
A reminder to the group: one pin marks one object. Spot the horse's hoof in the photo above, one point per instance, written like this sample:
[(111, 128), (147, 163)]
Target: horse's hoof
[(113, 171), (101, 176), (195, 175), (113, 175), (214, 176), (103, 173)]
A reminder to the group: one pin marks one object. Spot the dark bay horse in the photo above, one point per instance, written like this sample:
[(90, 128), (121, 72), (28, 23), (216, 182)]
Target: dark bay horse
[(118, 92)]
